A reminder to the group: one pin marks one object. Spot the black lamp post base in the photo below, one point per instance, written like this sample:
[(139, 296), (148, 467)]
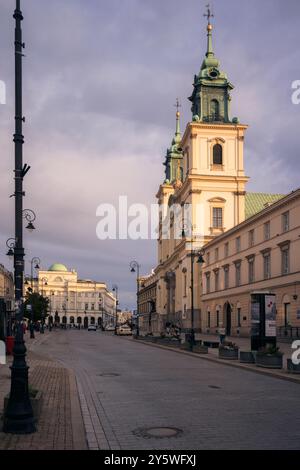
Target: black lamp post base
[(18, 416), (19, 426)]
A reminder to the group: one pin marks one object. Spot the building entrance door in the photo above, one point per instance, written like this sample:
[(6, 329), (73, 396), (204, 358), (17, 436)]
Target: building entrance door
[(287, 308), (228, 319)]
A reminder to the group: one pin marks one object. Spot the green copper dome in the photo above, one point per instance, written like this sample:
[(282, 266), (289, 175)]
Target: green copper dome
[(57, 267)]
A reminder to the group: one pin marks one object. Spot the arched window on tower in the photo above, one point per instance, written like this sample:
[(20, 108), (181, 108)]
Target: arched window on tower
[(218, 154), (215, 110)]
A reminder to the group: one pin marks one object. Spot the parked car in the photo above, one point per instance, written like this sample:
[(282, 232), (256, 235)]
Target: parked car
[(123, 331), (109, 328), (92, 328)]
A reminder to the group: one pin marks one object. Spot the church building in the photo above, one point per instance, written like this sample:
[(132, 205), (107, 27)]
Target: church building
[(205, 178)]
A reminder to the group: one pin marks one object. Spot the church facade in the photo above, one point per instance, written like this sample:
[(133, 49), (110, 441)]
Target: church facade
[(203, 199)]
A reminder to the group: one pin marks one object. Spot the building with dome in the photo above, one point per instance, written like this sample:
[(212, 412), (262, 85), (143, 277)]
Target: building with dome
[(74, 301)]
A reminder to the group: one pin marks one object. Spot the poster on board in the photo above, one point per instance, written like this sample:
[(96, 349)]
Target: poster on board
[(270, 310)]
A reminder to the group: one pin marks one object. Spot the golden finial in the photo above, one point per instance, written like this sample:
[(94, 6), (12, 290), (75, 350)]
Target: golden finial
[(177, 105)]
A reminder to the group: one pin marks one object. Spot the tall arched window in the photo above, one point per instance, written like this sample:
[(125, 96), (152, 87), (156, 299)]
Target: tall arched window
[(218, 154), (215, 110)]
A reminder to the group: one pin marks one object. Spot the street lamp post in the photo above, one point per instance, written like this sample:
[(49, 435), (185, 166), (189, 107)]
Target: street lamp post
[(193, 254), (44, 284), (37, 263), (18, 417), (135, 268), (116, 290)]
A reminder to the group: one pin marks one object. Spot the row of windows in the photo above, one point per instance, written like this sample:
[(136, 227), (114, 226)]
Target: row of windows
[(80, 306), (267, 273), (72, 294), (218, 223), (218, 319)]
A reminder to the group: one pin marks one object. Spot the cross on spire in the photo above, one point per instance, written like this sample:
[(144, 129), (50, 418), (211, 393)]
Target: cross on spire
[(177, 105), (209, 14)]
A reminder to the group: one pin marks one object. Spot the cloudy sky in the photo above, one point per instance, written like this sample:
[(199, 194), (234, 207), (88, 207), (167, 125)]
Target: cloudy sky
[(100, 81)]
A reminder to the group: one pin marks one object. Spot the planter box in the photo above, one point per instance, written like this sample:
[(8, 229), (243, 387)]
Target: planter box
[(36, 403), (268, 361), (185, 346), (229, 354), (247, 357), (200, 349), (293, 368)]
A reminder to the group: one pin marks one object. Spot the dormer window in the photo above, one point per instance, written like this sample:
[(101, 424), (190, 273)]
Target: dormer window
[(218, 154)]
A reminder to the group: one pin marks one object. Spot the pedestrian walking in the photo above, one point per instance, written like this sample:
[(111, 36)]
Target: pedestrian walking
[(31, 329), (222, 333)]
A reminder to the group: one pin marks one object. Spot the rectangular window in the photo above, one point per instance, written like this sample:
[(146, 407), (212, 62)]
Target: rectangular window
[(239, 315), (218, 318), (267, 231), (208, 319), (238, 244), (86, 306), (251, 238), (217, 277), (208, 283), (99, 306), (285, 261), (217, 254), (238, 274), (226, 277), (286, 222), (226, 250), (93, 307), (217, 217), (251, 271), (267, 266), (185, 285)]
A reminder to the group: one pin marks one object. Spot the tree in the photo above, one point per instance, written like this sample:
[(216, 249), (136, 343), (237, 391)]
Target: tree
[(39, 304)]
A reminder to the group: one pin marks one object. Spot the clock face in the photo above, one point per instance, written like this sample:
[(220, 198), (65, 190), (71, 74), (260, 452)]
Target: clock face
[(214, 73)]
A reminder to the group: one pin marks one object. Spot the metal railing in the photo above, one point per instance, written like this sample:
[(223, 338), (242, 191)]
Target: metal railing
[(214, 118), (288, 332)]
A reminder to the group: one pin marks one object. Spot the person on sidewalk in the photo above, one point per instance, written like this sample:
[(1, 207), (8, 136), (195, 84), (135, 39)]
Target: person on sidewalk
[(31, 329), (222, 333)]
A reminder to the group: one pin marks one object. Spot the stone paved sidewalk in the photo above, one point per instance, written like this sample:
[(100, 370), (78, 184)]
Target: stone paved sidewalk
[(60, 426)]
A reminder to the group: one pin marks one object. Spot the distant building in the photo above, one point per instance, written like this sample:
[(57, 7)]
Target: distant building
[(124, 317), (74, 301), (6, 298)]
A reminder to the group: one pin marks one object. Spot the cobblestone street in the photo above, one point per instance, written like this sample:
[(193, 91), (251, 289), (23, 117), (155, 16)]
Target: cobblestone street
[(126, 388)]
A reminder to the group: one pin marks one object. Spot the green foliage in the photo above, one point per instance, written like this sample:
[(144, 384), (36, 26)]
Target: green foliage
[(40, 306), (270, 350)]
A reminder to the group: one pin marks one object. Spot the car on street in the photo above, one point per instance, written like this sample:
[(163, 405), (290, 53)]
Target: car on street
[(123, 331), (109, 328), (92, 328)]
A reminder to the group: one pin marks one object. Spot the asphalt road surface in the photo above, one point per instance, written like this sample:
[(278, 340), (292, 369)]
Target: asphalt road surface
[(135, 396)]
